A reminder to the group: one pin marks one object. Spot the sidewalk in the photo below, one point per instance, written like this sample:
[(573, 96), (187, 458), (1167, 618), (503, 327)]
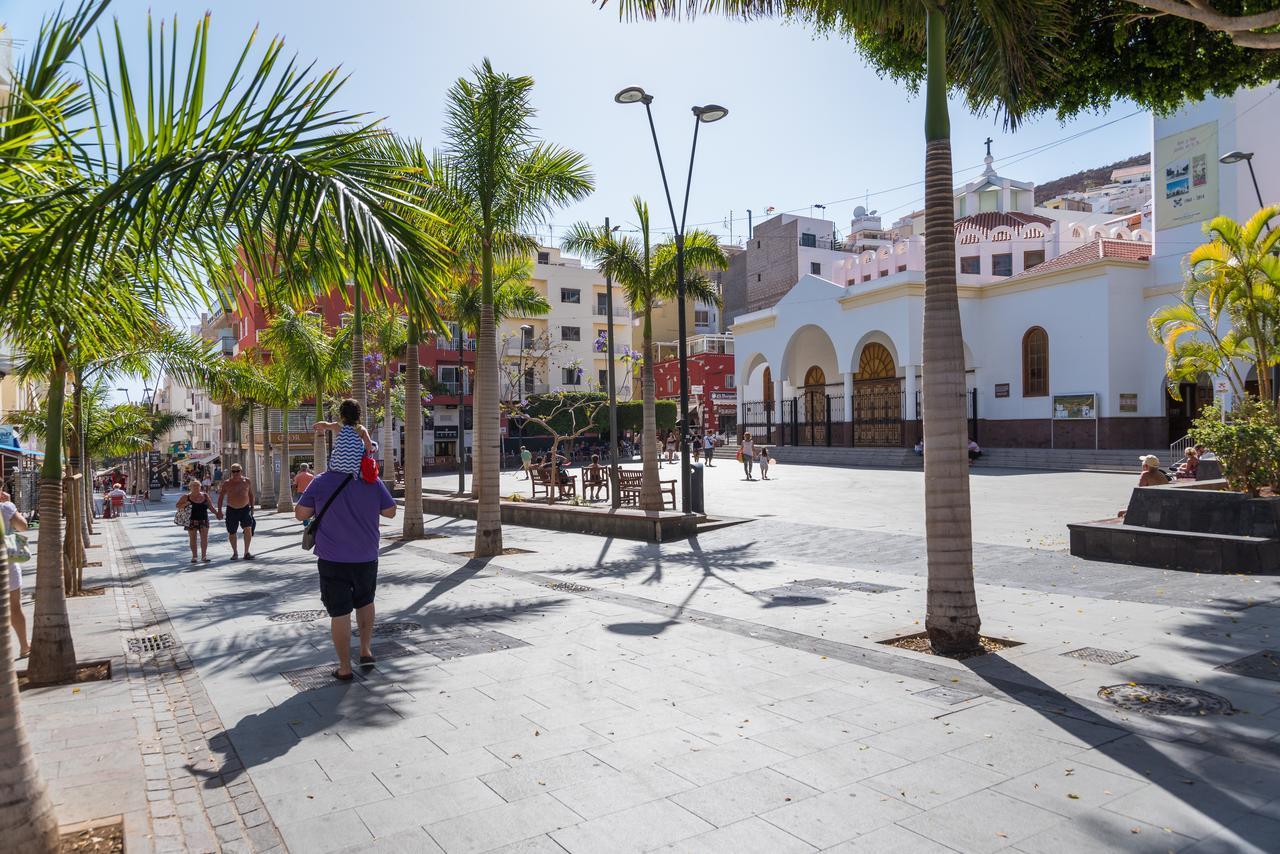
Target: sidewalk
[(142, 745), (721, 694)]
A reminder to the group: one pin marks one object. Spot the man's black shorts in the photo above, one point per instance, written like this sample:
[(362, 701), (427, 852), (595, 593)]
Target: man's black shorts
[(345, 587), (240, 517)]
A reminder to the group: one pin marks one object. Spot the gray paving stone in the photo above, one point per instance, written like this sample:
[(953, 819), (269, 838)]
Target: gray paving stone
[(1196, 811), (331, 832), (934, 781), (533, 845), (639, 828), (982, 822), (833, 817), (320, 799), (502, 825), (1101, 832), (627, 789), (544, 745), (723, 761), (1069, 788), (416, 775), (837, 766), (750, 836), (413, 841), (428, 806), (524, 779), (742, 796), (924, 739), (892, 839), (811, 736), (1252, 834), (648, 749)]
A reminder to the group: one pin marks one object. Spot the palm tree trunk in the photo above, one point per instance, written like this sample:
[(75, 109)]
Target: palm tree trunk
[(388, 452), (251, 463), (268, 496), (27, 820), (320, 460), (650, 489), (413, 526), (357, 355), (284, 500), (485, 477), (53, 653), (951, 614)]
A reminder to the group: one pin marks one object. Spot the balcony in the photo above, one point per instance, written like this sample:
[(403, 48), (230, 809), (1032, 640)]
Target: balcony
[(809, 241), (449, 388), (618, 311), (443, 343)]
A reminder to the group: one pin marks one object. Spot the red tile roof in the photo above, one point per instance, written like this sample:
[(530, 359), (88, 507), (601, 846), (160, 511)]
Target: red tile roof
[(1096, 250), (994, 219)]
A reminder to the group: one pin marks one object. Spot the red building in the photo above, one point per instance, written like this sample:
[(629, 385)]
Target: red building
[(712, 398), (438, 354)]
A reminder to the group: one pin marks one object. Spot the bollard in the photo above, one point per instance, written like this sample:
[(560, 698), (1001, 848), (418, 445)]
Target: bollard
[(697, 505)]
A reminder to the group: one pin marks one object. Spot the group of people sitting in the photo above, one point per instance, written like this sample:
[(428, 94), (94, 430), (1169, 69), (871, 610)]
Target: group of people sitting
[(1187, 469), (973, 448)]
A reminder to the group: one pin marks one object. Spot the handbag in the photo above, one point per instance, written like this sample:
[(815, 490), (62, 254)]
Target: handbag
[(739, 455), (183, 517), (16, 545), (309, 532), (368, 469)]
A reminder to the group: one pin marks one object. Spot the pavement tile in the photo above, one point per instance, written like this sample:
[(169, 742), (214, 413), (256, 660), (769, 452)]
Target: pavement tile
[(811, 736), (1194, 811), (332, 832), (544, 745), (982, 822), (647, 749), (640, 828), (427, 806), (934, 781), (728, 801), (1252, 834), (501, 825), (1069, 788), (1100, 832), (833, 817), (413, 841), (415, 774), (710, 764), (891, 839), (750, 836), (629, 788), (836, 766), (923, 739), (321, 799), (1012, 752)]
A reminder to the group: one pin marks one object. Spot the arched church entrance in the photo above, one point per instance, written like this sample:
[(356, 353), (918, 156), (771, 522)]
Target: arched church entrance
[(814, 397), (877, 398)]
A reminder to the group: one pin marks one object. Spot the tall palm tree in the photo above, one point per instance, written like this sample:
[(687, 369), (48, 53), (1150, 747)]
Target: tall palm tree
[(388, 332), (502, 182), (647, 274), (297, 343), (1001, 49)]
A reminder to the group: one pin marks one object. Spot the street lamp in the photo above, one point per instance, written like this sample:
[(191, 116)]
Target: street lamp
[(1247, 156), (705, 114), (126, 395)]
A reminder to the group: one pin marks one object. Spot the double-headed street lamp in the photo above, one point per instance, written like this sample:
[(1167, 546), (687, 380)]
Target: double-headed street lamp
[(701, 115)]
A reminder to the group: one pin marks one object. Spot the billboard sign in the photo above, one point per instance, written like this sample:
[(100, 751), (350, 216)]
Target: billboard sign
[(1186, 176)]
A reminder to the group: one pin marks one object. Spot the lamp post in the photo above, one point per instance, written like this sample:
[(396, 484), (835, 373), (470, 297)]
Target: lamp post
[(1232, 157), (128, 399), (701, 115)]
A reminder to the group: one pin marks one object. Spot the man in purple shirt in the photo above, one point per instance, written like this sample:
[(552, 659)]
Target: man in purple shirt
[(347, 555)]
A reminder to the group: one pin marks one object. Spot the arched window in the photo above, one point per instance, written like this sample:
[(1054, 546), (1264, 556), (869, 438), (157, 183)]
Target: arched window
[(1035, 363)]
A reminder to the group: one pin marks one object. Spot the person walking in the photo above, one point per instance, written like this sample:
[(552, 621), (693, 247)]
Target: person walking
[(748, 452), (526, 462), (764, 461), (14, 522), (198, 525), (303, 478), (344, 512), (237, 492), (708, 448)]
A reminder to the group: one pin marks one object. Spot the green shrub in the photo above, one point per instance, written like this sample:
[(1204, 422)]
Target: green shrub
[(1247, 444)]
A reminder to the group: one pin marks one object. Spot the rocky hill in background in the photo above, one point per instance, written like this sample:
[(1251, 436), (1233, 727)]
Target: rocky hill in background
[(1085, 179)]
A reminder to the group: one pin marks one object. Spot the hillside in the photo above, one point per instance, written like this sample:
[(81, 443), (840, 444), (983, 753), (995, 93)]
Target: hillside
[(1084, 179)]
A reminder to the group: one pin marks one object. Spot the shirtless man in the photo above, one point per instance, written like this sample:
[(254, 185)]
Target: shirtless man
[(237, 492)]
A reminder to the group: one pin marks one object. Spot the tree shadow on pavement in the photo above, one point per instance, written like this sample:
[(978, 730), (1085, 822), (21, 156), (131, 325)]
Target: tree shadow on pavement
[(1128, 747)]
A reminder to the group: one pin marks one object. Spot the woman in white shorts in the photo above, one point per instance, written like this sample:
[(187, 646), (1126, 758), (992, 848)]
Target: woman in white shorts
[(15, 521)]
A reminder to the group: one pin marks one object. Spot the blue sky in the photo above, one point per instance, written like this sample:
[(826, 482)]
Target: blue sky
[(809, 122)]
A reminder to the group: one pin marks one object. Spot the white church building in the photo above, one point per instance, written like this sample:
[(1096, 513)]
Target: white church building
[(1054, 306)]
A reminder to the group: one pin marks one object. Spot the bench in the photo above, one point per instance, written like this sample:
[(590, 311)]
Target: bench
[(593, 482), (541, 483), (629, 485)]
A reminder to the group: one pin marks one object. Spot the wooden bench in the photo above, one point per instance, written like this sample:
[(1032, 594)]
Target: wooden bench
[(594, 482), (541, 483), (629, 485)]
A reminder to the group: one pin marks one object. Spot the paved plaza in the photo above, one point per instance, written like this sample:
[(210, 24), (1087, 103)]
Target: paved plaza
[(721, 694)]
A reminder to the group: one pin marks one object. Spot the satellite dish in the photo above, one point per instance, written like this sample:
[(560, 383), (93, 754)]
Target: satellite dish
[(873, 213), (859, 211)]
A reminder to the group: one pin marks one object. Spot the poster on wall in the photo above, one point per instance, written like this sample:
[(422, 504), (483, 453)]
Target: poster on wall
[(1128, 402), (1186, 176), (1069, 407)]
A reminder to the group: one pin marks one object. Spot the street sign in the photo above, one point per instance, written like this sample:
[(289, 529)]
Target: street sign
[(695, 389)]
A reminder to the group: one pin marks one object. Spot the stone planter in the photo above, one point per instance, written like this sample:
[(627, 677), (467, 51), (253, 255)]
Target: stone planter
[(1197, 526), (627, 524)]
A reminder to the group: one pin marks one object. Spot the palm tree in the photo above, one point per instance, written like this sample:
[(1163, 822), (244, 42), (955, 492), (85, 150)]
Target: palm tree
[(647, 274), (1001, 49), (389, 335), (501, 183)]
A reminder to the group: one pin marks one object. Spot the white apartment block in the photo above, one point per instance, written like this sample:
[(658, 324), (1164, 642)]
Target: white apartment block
[(559, 351)]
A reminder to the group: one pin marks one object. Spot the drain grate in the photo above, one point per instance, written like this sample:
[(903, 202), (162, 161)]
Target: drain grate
[(1260, 665), (151, 643), (1156, 699), (231, 598), (297, 616), (1098, 656), (386, 630), (311, 678), (477, 643), (569, 587), (950, 696), (392, 649)]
